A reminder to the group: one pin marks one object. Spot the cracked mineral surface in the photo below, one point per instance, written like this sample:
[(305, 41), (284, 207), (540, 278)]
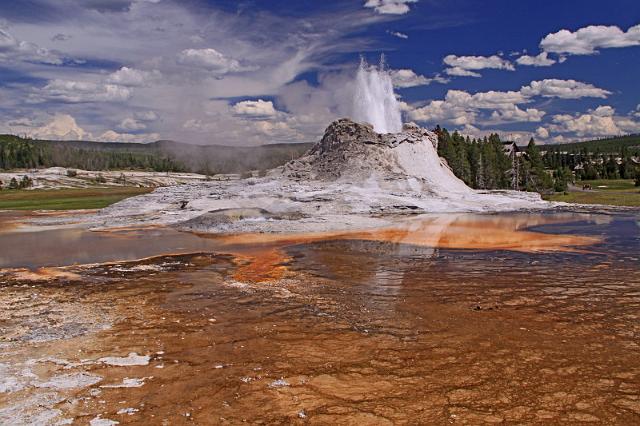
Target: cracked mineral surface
[(536, 321)]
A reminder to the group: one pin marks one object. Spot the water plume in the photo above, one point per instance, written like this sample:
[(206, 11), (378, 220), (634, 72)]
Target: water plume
[(374, 100)]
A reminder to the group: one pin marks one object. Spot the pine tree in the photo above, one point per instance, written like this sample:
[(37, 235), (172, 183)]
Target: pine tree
[(562, 177), (539, 180)]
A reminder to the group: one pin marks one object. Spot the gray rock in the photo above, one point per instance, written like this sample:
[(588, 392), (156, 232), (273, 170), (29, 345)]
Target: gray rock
[(355, 150)]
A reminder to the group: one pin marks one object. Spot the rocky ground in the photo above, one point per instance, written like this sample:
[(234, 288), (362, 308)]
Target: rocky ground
[(349, 332)]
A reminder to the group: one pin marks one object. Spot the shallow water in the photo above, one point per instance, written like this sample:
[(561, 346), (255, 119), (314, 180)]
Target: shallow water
[(526, 326), (74, 246), (63, 246)]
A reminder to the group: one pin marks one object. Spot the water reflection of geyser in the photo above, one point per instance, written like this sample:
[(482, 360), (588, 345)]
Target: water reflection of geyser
[(374, 100), (385, 280)]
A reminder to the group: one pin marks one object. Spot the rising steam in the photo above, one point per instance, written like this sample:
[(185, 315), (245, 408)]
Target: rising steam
[(374, 100)]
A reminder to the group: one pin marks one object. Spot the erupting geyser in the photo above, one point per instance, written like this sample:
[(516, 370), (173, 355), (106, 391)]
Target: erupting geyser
[(360, 175), (374, 101)]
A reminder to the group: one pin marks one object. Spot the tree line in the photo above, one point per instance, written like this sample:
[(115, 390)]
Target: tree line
[(613, 145), (482, 163), (595, 165), (19, 153)]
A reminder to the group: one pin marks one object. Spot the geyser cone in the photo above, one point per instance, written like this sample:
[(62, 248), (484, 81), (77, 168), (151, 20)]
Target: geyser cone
[(355, 154)]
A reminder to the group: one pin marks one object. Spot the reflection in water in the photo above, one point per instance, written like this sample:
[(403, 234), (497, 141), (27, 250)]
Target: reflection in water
[(453, 231), (262, 257), (392, 278), (62, 247)]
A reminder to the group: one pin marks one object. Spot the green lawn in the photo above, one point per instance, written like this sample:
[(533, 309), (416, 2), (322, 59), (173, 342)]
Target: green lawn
[(613, 184), (66, 199), (621, 192)]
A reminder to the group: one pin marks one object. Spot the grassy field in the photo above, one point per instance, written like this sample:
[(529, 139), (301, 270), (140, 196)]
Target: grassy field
[(620, 192), (66, 199)]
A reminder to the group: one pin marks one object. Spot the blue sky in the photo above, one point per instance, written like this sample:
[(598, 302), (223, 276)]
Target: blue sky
[(254, 72)]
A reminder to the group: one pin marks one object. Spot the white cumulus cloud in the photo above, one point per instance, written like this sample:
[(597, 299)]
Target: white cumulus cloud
[(588, 40), (390, 7), (257, 108), (131, 124), (461, 72), (12, 49), (398, 34), (565, 89), (65, 127), (112, 136), (585, 125), (628, 125), (599, 122), (61, 127), (442, 111), (541, 60), (279, 129), (461, 108), (542, 133), (604, 111), (485, 100), (133, 77), (515, 114), (146, 116), (465, 66), (211, 60), (404, 78), (80, 91)]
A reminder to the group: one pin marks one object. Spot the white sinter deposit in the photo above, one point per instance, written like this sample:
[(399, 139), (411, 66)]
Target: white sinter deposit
[(59, 177), (353, 178), (357, 176)]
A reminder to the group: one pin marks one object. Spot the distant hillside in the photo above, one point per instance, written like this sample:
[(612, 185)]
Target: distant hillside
[(16, 152), (231, 159), (605, 146)]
